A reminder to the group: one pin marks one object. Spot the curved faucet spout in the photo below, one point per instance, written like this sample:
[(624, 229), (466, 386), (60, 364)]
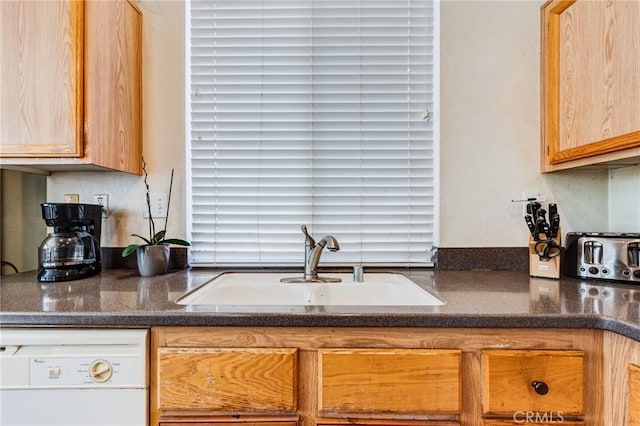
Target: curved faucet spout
[(312, 253), (330, 242), (313, 257)]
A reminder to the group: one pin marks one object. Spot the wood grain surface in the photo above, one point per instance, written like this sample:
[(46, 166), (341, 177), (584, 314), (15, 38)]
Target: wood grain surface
[(228, 380), (41, 85), (507, 377), (590, 83), (394, 380)]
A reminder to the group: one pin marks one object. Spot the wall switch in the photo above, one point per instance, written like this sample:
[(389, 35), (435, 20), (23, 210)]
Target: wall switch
[(158, 205), (103, 200), (71, 198)]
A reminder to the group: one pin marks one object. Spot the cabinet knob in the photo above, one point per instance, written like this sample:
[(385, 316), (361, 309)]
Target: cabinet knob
[(541, 388)]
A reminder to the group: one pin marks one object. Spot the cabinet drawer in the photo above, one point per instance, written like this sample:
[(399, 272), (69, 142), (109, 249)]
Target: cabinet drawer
[(227, 380), (508, 378), (385, 381)]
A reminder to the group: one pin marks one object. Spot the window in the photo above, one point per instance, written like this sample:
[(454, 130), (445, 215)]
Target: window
[(316, 112)]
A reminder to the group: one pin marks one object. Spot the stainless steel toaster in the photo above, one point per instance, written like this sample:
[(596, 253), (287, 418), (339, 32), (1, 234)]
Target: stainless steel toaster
[(603, 255)]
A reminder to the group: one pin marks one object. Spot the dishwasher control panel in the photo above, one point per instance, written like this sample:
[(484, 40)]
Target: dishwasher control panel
[(85, 371), (48, 359)]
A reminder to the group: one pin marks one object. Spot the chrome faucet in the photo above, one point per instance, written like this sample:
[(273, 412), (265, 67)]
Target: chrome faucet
[(312, 253)]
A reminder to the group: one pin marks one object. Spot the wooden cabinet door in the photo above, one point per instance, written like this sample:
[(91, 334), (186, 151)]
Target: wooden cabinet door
[(634, 395), (41, 78), (590, 81), (113, 90)]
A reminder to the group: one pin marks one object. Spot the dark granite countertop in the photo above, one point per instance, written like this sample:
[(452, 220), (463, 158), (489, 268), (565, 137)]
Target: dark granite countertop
[(487, 299)]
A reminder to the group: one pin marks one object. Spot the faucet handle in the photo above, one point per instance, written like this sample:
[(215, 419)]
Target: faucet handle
[(309, 241)]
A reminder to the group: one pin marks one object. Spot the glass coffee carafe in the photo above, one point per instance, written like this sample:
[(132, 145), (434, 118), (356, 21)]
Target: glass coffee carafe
[(72, 250)]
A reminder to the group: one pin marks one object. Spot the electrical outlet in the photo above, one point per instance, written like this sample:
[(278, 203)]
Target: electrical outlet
[(158, 205), (102, 200), (532, 196)]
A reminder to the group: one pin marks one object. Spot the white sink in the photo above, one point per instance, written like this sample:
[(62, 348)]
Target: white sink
[(265, 289)]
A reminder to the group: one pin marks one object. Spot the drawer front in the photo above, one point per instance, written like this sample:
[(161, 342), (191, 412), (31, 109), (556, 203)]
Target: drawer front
[(509, 376), (227, 380), (389, 381)]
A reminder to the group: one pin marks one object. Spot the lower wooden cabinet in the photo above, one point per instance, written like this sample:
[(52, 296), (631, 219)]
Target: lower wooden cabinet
[(634, 395), (289, 376)]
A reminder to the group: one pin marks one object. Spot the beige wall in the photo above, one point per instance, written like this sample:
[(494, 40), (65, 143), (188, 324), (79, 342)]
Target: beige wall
[(489, 131), (22, 228)]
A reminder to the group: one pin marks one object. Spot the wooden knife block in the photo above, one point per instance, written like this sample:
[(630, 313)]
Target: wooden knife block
[(544, 268)]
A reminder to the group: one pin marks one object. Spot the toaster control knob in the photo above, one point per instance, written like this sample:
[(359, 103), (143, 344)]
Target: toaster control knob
[(626, 273), (636, 273), (593, 270)]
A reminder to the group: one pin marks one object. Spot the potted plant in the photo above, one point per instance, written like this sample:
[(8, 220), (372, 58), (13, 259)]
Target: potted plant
[(153, 255)]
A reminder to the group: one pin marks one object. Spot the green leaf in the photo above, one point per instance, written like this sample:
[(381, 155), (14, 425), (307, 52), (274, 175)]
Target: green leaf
[(176, 241), (129, 249), (158, 237)]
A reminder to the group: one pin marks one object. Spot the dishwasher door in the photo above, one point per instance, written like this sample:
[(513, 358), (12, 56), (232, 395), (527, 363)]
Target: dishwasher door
[(51, 377)]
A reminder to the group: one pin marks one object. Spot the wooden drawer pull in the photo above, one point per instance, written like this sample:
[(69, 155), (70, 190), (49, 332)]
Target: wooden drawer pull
[(541, 388)]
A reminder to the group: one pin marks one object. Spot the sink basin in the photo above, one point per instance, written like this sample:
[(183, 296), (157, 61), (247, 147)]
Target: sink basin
[(265, 289)]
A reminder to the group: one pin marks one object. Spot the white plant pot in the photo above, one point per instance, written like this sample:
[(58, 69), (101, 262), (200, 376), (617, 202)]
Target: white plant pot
[(153, 260)]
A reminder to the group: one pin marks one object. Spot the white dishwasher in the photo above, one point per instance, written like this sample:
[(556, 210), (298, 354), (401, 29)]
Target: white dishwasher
[(73, 377)]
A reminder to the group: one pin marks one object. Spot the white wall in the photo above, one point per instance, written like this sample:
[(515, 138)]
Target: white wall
[(624, 200), (21, 228), (489, 131)]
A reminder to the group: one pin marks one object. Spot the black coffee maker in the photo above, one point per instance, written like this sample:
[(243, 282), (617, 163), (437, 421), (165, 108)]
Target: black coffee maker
[(72, 250)]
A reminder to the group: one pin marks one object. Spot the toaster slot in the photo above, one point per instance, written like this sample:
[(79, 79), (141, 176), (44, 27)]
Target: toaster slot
[(633, 254), (593, 252)]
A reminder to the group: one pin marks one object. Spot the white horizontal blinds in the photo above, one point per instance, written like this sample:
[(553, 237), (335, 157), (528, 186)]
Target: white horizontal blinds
[(311, 112)]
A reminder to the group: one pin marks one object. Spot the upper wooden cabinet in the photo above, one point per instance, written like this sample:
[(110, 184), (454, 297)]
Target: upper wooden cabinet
[(590, 83), (70, 78)]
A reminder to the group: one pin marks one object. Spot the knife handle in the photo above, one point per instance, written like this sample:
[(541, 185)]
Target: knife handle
[(532, 227), (555, 224)]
